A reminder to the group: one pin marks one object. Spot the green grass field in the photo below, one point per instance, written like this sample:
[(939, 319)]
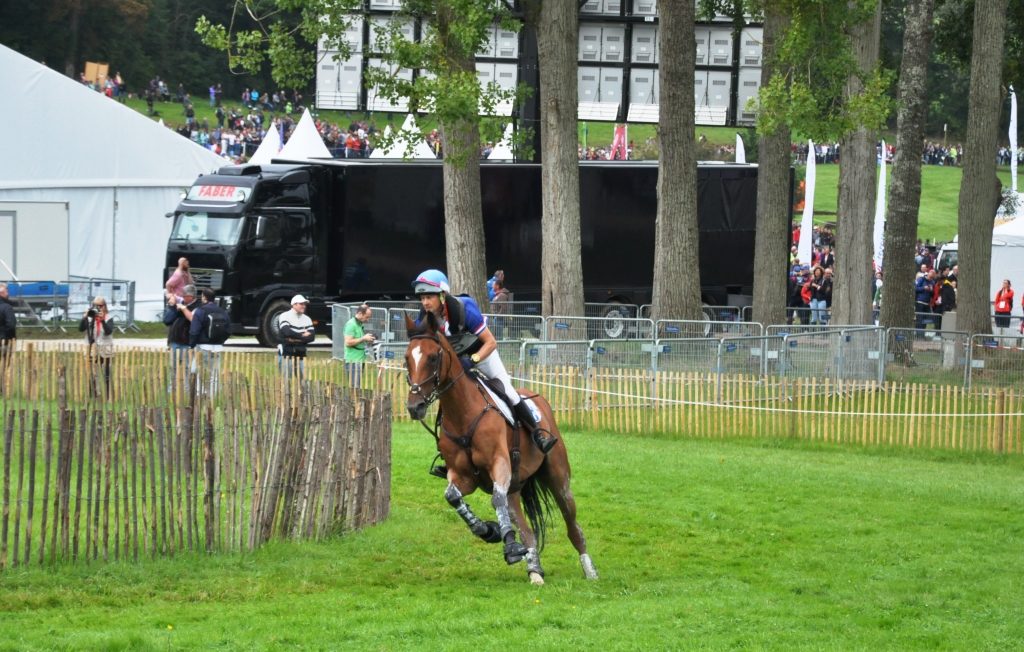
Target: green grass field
[(700, 544), (940, 192)]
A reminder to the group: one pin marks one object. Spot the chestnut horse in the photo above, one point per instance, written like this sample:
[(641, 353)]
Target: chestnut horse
[(482, 451)]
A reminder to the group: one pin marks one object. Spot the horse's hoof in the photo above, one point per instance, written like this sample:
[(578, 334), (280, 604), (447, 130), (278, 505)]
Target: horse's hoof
[(536, 579), (493, 534), (589, 570), (515, 552)]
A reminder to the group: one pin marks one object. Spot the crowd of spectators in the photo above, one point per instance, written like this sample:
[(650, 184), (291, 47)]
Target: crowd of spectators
[(238, 132)]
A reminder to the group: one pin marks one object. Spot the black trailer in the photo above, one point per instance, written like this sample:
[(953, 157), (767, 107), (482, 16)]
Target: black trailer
[(353, 230)]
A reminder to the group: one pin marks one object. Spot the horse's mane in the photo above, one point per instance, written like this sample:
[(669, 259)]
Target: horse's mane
[(428, 326)]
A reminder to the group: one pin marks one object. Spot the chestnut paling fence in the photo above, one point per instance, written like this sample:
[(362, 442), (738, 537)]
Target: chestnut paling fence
[(158, 461), (709, 404)]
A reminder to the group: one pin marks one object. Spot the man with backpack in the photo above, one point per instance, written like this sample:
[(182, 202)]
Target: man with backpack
[(210, 328)]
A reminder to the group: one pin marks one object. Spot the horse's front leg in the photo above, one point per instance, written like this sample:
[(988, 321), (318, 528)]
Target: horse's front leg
[(486, 530), (502, 476)]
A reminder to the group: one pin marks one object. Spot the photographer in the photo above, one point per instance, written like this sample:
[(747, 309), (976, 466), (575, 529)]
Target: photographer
[(356, 340), (98, 326), (177, 318)]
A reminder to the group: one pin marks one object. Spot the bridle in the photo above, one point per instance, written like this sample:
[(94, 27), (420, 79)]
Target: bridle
[(435, 378)]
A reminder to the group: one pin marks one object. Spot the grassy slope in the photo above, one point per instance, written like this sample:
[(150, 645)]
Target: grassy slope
[(700, 544), (940, 192)]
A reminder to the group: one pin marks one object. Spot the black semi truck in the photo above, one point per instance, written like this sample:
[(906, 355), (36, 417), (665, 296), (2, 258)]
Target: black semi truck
[(361, 230)]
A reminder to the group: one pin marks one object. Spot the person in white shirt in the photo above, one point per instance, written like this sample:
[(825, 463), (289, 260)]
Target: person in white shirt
[(296, 332)]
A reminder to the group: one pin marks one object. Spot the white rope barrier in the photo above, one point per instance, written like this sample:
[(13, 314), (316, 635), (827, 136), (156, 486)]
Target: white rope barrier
[(751, 408)]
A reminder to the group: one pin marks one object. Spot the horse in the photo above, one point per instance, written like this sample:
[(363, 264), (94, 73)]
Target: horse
[(482, 451)]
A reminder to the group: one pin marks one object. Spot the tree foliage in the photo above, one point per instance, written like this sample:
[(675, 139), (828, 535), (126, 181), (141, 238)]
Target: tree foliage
[(814, 61)]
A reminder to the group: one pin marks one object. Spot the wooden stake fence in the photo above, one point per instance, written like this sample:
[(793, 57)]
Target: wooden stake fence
[(150, 468)]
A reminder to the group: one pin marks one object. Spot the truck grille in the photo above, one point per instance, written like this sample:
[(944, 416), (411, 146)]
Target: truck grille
[(208, 278)]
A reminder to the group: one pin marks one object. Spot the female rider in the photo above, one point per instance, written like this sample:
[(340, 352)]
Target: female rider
[(466, 330)]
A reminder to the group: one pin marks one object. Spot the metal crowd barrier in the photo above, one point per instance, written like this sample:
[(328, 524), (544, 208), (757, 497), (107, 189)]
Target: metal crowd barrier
[(926, 354), (670, 328), (119, 294), (577, 328), (726, 347), (995, 360), (39, 304), (850, 353)]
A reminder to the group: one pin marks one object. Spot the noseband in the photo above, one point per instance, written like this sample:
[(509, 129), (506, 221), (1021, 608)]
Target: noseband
[(435, 377)]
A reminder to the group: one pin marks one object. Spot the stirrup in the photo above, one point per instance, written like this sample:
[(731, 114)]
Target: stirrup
[(544, 440), (439, 471)]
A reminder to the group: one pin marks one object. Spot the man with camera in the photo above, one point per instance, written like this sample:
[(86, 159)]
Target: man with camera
[(177, 318)]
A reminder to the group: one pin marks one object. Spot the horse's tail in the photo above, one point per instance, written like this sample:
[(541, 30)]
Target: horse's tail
[(537, 504)]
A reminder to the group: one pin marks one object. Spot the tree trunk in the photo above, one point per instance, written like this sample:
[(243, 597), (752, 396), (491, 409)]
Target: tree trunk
[(74, 34), (851, 302), (557, 28), (676, 293), (905, 189), (773, 196), (980, 189), (464, 222)]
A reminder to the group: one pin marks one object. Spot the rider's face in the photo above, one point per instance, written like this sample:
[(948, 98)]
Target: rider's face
[(431, 302)]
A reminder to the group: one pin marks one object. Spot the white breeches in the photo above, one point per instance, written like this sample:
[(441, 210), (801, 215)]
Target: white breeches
[(492, 367)]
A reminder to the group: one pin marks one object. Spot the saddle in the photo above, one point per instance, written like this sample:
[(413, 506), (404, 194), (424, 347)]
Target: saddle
[(501, 401)]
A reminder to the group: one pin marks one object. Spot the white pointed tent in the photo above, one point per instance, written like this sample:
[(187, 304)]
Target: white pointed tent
[(420, 150), (305, 142), (503, 150), (119, 171), (386, 152), (269, 147)]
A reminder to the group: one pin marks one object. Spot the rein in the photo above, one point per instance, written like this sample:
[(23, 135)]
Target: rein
[(438, 391)]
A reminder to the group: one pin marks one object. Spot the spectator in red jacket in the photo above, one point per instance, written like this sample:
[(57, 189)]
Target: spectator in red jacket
[(1004, 304)]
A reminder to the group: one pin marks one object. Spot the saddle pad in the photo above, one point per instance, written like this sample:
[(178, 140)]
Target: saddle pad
[(504, 408)]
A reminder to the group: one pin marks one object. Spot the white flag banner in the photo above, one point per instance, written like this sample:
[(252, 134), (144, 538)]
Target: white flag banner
[(879, 233), (803, 249), (1013, 143), (741, 151)]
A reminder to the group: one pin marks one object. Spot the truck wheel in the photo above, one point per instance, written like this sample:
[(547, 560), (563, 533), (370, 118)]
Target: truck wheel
[(268, 334), (617, 325)]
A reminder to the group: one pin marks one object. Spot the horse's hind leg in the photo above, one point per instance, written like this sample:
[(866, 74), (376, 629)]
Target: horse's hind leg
[(567, 505), (533, 567)]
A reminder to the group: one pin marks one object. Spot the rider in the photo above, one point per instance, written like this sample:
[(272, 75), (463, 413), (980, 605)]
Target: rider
[(466, 330)]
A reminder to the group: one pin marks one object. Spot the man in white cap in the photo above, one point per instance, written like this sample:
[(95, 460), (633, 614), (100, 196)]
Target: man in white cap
[(296, 330)]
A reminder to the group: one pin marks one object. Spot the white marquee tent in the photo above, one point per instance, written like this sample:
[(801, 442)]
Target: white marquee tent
[(119, 171)]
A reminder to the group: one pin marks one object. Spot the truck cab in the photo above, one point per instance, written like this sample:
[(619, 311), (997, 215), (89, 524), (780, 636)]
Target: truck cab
[(249, 234)]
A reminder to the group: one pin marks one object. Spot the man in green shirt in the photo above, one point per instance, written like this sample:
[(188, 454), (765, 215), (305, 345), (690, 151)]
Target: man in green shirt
[(355, 344)]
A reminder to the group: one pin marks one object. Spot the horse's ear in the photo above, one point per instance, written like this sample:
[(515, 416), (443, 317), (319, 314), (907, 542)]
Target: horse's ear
[(410, 325), (431, 323)]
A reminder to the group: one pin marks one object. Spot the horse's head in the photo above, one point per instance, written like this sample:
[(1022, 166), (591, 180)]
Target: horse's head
[(428, 363)]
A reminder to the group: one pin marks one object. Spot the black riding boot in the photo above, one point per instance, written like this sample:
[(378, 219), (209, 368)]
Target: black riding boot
[(545, 440)]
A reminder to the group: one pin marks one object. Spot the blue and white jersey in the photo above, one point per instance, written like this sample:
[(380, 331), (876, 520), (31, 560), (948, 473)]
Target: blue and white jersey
[(475, 320), (462, 316)]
